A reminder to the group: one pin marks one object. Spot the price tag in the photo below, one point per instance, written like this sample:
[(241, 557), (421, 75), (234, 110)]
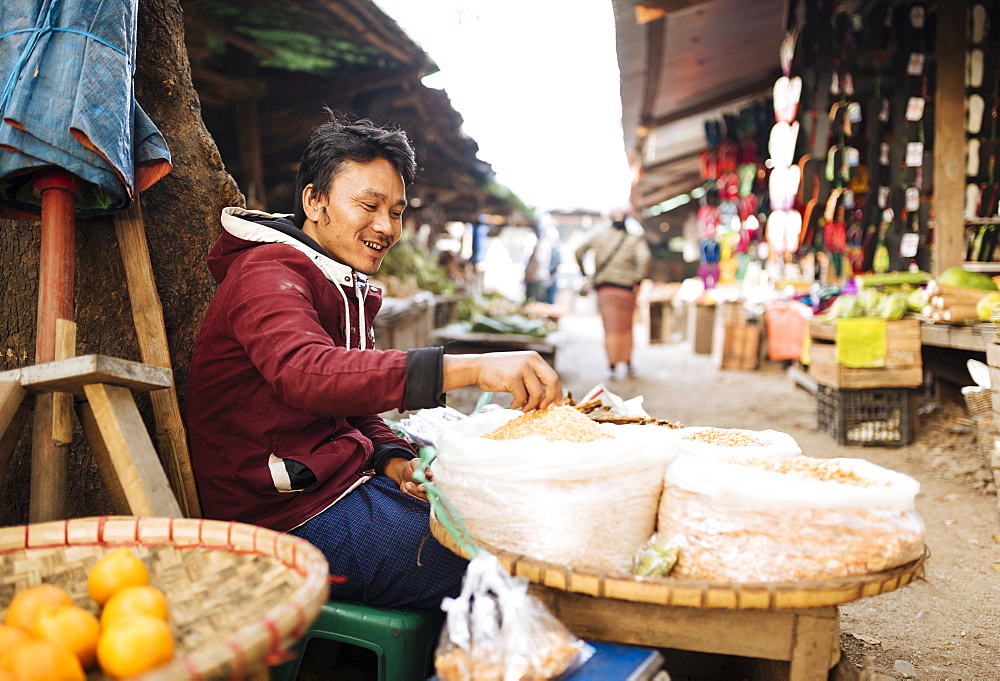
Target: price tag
[(854, 112), (915, 108), (912, 199), (917, 15), (914, 154), (883, 154), (915, 64), (852, 157), (883, 112), (883, 199), (908, 245)]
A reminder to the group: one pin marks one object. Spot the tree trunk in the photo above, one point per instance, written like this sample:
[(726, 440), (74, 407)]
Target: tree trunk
[(181, 214)]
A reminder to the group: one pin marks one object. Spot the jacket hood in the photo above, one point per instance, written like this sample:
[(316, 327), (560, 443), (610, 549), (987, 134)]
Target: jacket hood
[(243, 229)]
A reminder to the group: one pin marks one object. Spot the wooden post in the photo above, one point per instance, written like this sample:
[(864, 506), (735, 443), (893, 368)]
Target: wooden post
[(147, 315), (949, 137), (59, 190)]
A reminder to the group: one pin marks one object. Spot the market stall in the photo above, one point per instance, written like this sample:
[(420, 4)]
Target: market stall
[(718, 540)]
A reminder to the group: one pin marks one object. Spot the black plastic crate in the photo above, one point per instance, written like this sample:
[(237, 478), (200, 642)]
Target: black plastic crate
[(874, 416)]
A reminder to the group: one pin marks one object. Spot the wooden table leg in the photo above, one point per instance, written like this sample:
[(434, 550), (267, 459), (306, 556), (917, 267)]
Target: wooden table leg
[(122, 433)]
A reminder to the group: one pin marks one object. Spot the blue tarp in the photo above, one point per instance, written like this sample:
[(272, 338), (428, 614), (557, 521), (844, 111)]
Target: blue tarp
[(67, 100)]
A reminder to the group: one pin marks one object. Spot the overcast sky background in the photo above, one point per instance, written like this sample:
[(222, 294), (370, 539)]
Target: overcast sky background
[(536, 82)]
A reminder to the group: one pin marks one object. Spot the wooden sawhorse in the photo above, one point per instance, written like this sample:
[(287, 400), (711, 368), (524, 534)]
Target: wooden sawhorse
[(102, 392)]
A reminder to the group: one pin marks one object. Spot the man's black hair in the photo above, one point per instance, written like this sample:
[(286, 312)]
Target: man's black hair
[(343, 139)]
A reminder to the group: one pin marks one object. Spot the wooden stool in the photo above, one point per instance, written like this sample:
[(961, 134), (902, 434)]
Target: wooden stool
[(100, 388)]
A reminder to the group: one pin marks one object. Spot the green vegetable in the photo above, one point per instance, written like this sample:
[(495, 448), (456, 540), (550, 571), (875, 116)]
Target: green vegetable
[(893, 279), (956, 276)]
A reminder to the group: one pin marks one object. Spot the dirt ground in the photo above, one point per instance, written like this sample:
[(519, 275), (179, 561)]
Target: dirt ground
[(942, 627)]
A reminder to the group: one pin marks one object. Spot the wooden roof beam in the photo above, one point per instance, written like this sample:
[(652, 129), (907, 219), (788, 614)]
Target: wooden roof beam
[(228, 87), (762, 87), (200, 22), (356, 26), (651, 10)]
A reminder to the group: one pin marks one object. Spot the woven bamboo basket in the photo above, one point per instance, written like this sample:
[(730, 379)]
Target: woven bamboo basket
[(239, 595), (695, 593)]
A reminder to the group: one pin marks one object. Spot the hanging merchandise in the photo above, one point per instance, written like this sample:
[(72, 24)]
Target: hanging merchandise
[(786, 98)]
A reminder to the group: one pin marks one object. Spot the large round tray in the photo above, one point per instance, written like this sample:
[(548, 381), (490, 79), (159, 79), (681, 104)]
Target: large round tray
[(695, 593), (239, 595)]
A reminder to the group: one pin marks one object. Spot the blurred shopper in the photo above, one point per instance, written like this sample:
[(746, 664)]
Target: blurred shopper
[(539, 273), (621, 261)]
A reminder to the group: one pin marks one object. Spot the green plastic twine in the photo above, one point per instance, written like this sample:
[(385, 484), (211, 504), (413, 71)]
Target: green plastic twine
[(443, 509), (483, 400)]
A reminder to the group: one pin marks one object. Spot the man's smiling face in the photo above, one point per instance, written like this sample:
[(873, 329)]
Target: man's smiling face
[(361, 216)]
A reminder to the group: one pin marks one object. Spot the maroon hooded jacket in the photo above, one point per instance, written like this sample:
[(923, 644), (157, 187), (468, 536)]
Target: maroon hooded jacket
[(285, 386)]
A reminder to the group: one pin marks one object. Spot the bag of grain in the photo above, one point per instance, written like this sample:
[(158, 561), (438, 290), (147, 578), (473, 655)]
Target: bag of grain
[(766, 519), (555, 486), (728, 443)]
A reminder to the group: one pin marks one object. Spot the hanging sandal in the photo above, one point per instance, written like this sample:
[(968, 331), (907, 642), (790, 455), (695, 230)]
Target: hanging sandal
[(974, 68), (977, 31), (974, 108)]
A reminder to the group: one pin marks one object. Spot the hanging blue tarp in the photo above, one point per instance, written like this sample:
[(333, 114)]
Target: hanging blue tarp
[(67, 100)]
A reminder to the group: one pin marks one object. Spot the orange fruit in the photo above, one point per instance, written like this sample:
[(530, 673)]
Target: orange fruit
[(113, 572), (11, 637), (7, 676), (133, 645), (70, 627), (43, 661), (26, 604), (135, 600)]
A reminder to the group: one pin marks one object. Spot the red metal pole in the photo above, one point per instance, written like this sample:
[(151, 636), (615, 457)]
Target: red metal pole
[(59, 191)]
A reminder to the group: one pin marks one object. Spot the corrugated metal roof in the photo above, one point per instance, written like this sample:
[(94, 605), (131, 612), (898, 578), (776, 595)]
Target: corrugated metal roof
[(689, 65)]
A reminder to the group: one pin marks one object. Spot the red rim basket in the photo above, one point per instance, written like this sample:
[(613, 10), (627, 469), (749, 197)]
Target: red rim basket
[(239, 595)]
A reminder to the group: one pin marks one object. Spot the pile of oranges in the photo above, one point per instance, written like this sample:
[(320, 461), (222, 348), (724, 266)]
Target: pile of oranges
[(46, 637)]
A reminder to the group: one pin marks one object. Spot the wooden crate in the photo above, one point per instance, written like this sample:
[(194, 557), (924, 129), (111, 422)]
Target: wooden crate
[(903, 365), (703, 325), (740, 347), (993, 361)]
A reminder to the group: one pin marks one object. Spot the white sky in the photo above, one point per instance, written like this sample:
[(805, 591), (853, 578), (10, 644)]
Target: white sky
[(536, 82)]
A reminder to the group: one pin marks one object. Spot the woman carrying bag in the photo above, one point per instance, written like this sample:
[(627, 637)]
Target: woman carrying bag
[(621, 260)]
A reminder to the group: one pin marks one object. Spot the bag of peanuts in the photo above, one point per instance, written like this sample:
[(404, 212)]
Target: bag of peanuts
[(760, 519), (554, 485), (729, 443), (496, 631)]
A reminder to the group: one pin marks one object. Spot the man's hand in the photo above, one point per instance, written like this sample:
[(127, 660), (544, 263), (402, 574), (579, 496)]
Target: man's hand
[(529, 379), (402, 470)]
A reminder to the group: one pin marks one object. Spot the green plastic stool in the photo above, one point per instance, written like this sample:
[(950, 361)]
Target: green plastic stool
[(403, 640)]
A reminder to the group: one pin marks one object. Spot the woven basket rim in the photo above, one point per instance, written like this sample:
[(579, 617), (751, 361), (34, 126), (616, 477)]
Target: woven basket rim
[(273, 631), (697, 593)]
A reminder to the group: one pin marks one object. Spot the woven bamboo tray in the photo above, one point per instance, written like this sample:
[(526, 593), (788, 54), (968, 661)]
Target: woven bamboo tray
[(239, 595), (696, 593)]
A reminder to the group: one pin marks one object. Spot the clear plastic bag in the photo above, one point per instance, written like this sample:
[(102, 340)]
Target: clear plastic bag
[(496, 631)]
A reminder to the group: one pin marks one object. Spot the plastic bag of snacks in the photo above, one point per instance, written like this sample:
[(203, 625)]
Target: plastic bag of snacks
[(789, 519), (496, 631), (554, 485)]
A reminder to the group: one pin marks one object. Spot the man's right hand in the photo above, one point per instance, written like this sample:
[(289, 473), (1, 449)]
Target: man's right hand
[(532, 383)]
